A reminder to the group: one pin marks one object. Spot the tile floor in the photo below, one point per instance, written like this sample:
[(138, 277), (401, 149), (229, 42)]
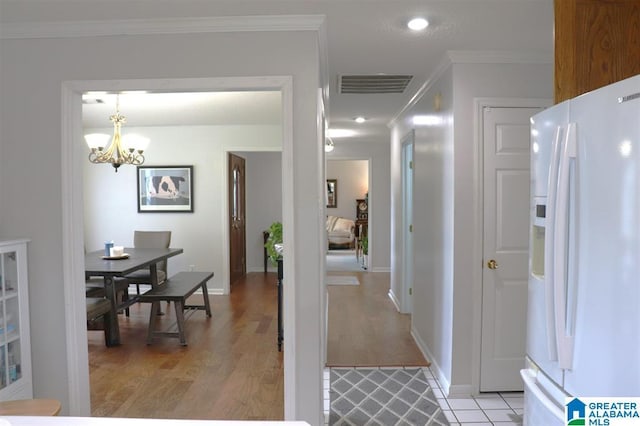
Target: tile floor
[(499, 409)]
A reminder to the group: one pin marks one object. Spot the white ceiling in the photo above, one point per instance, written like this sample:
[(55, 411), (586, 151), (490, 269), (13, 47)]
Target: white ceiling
[(364, 37)]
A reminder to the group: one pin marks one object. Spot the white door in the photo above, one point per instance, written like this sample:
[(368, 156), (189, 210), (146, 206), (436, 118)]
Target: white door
[(407, 223), (506, 135)]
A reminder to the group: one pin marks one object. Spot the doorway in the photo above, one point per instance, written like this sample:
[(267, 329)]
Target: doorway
[(73, 163), (352, 177)]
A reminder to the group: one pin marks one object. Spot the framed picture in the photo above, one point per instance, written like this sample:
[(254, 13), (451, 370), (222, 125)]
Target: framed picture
[(332, 193), (163, 189)]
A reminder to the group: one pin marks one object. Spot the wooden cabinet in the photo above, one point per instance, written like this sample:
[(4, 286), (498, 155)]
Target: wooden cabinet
[(596, 43), (15, 343)]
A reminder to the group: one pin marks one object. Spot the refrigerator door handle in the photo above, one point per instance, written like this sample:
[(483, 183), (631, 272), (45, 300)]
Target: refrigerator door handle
[(530, 383), (561, 249), (549, 295)]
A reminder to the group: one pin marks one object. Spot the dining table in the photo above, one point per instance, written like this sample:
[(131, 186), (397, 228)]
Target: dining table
[(96, 264)]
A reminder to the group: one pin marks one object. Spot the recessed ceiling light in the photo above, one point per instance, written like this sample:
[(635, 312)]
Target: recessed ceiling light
[(360, 120), (418, 24)]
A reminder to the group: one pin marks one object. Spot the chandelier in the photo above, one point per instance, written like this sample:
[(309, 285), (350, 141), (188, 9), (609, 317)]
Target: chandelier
[(122, 150)]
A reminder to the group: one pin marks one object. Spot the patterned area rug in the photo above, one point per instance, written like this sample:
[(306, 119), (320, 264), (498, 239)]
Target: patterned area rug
[(384, 397)]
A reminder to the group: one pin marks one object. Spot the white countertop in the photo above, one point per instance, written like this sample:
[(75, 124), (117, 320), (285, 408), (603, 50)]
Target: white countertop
[(114, 421)]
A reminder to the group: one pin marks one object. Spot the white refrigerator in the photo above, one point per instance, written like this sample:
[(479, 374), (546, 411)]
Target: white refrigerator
[(583, 318)]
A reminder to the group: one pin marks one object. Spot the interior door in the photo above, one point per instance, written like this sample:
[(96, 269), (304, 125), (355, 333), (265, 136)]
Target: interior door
[(237, 232), (505, 248)]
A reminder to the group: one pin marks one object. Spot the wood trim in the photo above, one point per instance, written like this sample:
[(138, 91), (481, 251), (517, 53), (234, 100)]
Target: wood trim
[(597, 42)]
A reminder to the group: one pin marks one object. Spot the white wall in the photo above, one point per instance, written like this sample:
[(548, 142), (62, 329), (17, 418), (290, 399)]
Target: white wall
[(377, 153), (433, 211), (353, 184), (111, 212), (264, 202), (447, 273), (32, 76)]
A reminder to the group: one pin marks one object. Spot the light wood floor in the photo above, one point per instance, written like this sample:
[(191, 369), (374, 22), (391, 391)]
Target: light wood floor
[(365, 329), (231, 368)]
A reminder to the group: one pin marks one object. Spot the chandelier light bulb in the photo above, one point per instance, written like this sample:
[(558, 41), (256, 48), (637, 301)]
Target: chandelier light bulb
[(97, 140)]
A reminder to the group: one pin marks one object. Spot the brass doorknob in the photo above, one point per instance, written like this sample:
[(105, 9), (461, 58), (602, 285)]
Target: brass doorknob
[(492, 264)]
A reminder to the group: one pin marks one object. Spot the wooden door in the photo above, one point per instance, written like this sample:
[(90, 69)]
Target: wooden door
[(505, 246), (237, 232)]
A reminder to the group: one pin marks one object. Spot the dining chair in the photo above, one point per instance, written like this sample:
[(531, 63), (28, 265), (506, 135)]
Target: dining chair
[(94, 287), (150, 239)]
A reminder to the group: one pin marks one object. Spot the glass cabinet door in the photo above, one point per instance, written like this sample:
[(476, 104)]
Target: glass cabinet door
[(10, 355)]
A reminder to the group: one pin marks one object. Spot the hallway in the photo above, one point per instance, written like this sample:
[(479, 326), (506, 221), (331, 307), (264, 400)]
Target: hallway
[(365, 329)]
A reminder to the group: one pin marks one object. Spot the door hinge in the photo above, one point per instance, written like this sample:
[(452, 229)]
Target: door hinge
[(410, 291), (411, 165), (410, 228)]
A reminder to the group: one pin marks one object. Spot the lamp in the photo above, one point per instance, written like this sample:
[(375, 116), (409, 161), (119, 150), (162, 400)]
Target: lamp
[(328, 145), (123, 150)]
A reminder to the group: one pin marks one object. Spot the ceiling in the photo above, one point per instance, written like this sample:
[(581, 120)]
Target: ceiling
[(365, 37)]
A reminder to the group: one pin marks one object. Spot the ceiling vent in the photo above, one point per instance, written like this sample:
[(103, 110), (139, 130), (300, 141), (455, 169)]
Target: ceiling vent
[(377, 83)]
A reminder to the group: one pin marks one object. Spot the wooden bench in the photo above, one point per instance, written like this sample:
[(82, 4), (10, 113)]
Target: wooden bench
[(176, 289), (99, 308)]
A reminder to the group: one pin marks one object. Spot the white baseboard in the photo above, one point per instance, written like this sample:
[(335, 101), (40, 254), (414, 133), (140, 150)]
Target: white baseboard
[(435, 368), (394, 299), (449, 390), (461, 391)]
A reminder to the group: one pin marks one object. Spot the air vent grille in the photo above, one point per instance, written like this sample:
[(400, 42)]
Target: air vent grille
[(378, 83)]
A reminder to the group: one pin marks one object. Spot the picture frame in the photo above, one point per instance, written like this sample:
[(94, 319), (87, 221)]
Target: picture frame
[(165, 189), (332, 193)]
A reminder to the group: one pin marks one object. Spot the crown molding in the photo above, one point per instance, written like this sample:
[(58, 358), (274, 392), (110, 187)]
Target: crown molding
[(472, 57), (217, 24), (442, 66)]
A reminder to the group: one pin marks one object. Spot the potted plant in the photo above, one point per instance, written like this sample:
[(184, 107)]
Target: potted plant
[(365, 251), (275, 237)]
